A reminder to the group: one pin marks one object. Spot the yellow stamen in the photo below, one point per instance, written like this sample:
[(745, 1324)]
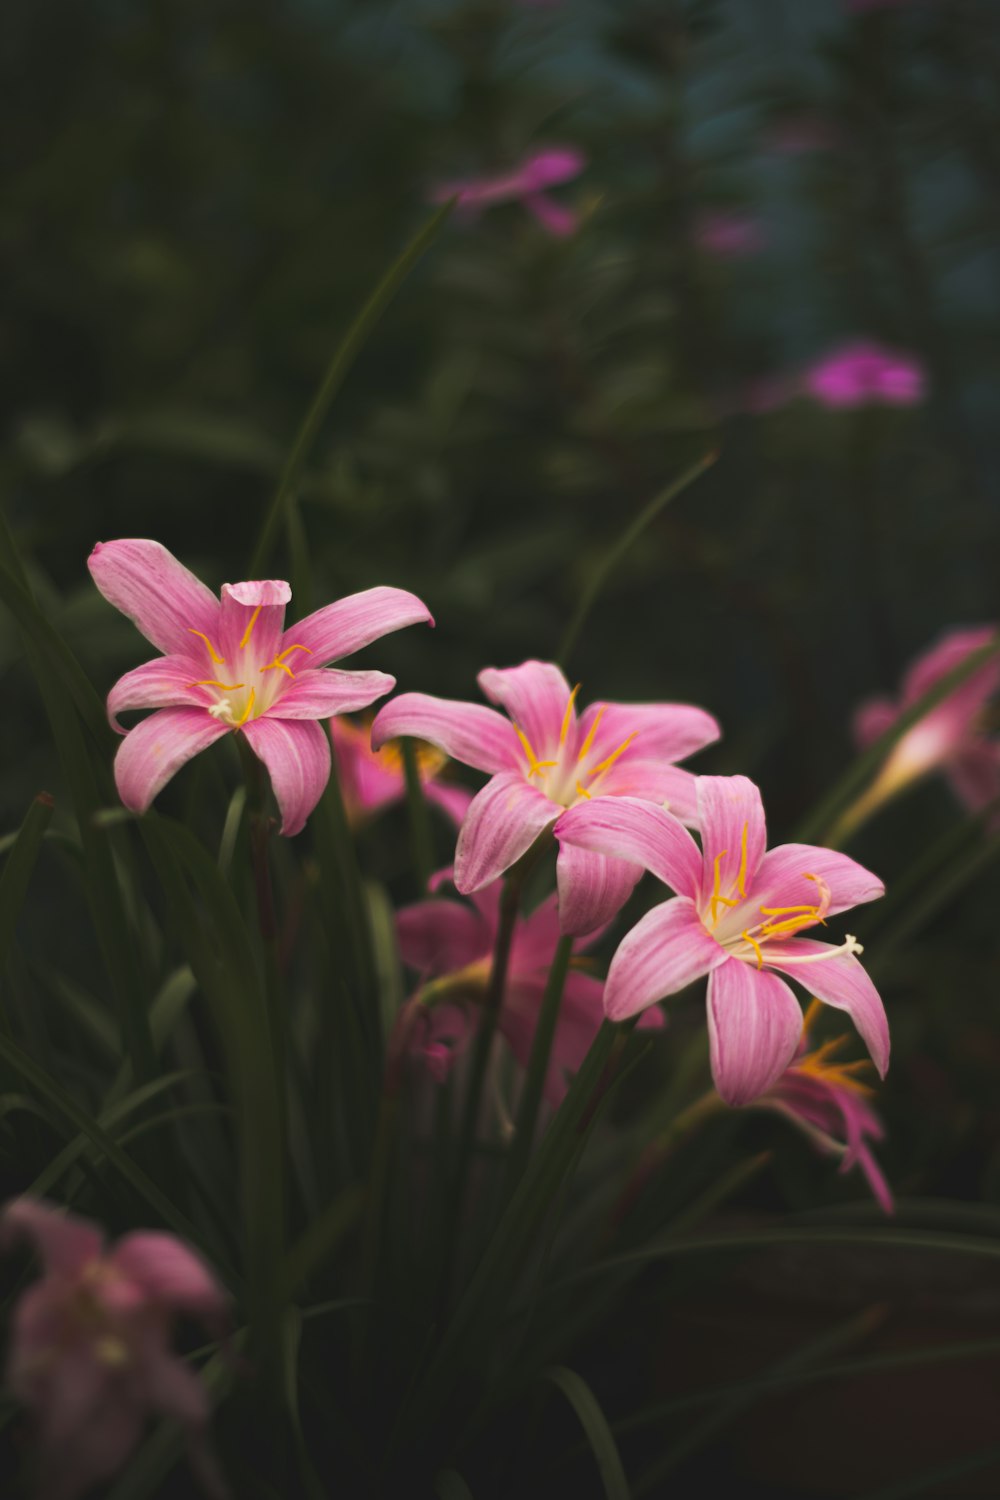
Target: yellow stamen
[(281, 666), (249, 708), (741, 877), (781, 911), (812, 1014), (581, 791), (227, 687), (716, 897), (249, 629), (219, 661), (591, 732), (289, 649), (789, 926), (564, 731), (606, 764), (755, 946), (534, 764)]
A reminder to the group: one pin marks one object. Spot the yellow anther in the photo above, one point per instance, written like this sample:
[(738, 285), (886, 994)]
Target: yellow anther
[(609, 761), (755, 946), (564, 731), (227, 687), (788, 927), (289, 649), (249, 629), (591, 732), (581, 791), (219, 661), (534, 764), (741, 877), (249, 708), (281, 666)]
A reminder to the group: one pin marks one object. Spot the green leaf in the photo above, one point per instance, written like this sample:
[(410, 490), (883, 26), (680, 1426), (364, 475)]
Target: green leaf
[(595, 1425), (449, 1485), (17, 873), (350, 347)]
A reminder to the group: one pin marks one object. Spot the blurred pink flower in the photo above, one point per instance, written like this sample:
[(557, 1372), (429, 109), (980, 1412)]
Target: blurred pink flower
[(864, 373), (231, 666), (90, 1345), (952, 737), (373, 779), (451, 946), (543, 759), (825, 1099), (524, 183), (738, 917), (729, 235)]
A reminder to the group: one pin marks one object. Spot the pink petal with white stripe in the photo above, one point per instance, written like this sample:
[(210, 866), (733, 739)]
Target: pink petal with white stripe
[(502, 823), (663, 731), (535, 695), (729, 809), (167, 682), (754, 1026), (297, 757), (253, 615), (667, 950), (653, 782), (467, 732), (840, 981), (162, 598), (782, 879), (321, 695), (639, 832), (593, 888), (346, 626), (155, 750), (169, 1273)]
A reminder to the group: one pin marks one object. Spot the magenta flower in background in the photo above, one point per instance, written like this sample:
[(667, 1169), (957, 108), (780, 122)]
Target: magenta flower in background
[(952, 737), (373, 779), (90, 1349), (864, 373), (451, 946), (525, 183), (826, 1100), (231, 666), (738, 917), (729, 235), (543, 759)]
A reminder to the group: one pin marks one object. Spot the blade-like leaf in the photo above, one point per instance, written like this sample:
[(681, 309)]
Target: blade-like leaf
[(595, 1425)]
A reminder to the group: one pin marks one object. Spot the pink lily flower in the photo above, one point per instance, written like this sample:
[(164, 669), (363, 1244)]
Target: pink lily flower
[(525, 184), (864, 373), (827, 1101), (451, 946), (951, 737), (738, 917), (232, 667), (373, 779), (90, 1345), (543, 759)]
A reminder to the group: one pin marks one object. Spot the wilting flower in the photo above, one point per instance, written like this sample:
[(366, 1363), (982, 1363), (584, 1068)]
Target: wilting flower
[(231, 666), (544, 759), (738, 917), (864, 373), (451, 946), (952, 737), (728, 235), (826, 1100), (525, 183), (373, 779), (90, 1344)]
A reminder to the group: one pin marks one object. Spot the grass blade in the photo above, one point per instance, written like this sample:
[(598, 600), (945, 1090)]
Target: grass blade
[(595, 1425), (18, 870)]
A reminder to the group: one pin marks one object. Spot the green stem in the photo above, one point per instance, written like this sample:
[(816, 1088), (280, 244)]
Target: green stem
[(421, 841), (538, 1065)]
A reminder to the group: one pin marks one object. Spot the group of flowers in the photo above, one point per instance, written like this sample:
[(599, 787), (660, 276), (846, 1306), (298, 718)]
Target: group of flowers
[(90, 1352)]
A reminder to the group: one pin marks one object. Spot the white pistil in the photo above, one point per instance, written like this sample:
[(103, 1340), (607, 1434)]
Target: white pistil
[(849, 945)]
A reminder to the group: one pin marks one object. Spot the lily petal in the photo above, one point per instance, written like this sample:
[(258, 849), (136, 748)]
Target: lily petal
[(975, 774), (663, 731), (253, 613), (754, 1026), (167, 682), (321, 695), (640, 832), (346, 626), (65, 1243), (665, 952), (162, 598), (782, 878), (729, 808), (297, 756), (555, 217), (438, 937), (535, 695), (871, 720), (652, 781), (593, 888), (170, 1273), (154, 751), (839, 981), (502, 823), (467, 732)]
